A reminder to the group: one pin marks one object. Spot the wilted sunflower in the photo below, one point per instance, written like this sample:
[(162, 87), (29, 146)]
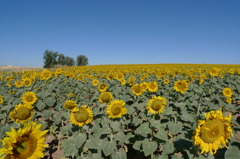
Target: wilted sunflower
[(27, 82), (29, 98), (137, 89), (102, 87), (25, 143), (105, 97), (227, 92), (181, 86), (213, 132), (1, 99), (95, 82), (156, 105), (81, 116), (116, 109), (18, 83), (153, 86), (22, 113), (70, 104)]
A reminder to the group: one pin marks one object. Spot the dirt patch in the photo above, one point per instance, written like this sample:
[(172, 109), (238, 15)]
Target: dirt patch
[(17, 68)]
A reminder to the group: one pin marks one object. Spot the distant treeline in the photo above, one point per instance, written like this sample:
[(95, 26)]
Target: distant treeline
[(52, 58)]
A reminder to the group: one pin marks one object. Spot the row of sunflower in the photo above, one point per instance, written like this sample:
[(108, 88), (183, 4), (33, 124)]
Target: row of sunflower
[(122, 111)]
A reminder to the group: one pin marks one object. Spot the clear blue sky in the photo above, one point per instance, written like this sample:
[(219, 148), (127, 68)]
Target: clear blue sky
[(121, 31)]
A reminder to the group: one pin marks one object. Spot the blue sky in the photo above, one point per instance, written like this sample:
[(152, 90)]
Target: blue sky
[(121, 31)]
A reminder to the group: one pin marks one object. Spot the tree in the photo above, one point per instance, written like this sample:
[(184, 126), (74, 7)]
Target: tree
[(50, 58), (61, 59), (69, 61), (82, 60)]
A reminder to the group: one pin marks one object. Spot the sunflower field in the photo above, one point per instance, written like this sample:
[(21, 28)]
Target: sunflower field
[(141, 111)]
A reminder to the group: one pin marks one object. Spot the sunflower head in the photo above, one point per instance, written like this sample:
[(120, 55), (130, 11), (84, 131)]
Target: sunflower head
[(116, 109), (181, 86), (45, 75), (95, 82), (137, 89), (26, 142), (213, 71), (102, 87), (80, 77), (18, 83), (81, 116), (156, 105), (70, 104), (105, 97), (153, 86), (166, 81), (27, 82), (227, 92), (213, 132), (22, 113), (29, 98), (1, 99)]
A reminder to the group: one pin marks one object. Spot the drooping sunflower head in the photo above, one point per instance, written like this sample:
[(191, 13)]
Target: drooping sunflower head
[(102, 87), (213, 132), (95, 82), (70, 104), (181, 86), (116, 109), (156, 105), (18, 83), (27, 82), (29, 98), (227, 92), (137, 89), (153, 86), (22, 113), (81, 116), (105, 97), (25, 143)]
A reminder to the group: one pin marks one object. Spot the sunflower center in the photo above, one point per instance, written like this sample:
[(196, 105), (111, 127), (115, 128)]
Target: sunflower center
[(106, 97), (24, 148), (181, 86), (81, 116), (156, 105), (137, 90), (212, 131), (116, 109), (23, 113), (152, 86), (29, 98), (102, 86)]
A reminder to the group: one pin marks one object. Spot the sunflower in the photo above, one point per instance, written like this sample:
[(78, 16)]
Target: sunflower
[(227, 92), (102, 87), (81, 116), (213, 132), (58, 71), (153, 86), (144, 86), (80, 77), (131, 80), (25, 143), (116, 109), (18, 83), (166, 81), (1, 99), (156, 105), (27, 82), (120, 76), (137, 89), (181, 86), (29, 98), (70, 104), (105, 97), (95, 82), (213, 71), (229, 100), (70, 95), (22, 113), (45, 74)]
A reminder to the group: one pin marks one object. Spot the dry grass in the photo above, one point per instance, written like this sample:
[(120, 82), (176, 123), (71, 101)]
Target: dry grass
[(17, 69)]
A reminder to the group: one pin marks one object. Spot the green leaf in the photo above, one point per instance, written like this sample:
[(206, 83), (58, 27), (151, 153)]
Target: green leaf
[(80, 139), (143, 129), (187, 116), (121, 154), (57, 118), (40, 105), (50, 101), (109, 147), (175, 128), (232, 153), (168, 148), (137, 145), (168, 111), (149, 147), (115, 125), (120, 136), (47, 114), (93, 143), (69, 148), (161, 134)]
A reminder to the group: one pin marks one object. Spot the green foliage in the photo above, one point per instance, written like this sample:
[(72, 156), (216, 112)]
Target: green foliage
[(81, 60)]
